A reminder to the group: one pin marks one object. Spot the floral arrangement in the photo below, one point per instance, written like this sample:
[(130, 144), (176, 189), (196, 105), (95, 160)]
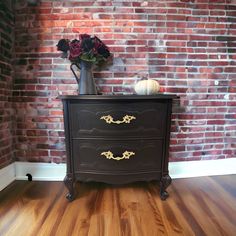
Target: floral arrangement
[(87, 48)]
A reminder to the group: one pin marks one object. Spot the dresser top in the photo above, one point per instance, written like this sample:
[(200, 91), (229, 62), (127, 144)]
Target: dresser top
[(117, 97)]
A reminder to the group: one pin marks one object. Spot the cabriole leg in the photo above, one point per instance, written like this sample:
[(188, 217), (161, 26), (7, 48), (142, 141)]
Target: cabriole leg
[(164, 183), (69, 183)]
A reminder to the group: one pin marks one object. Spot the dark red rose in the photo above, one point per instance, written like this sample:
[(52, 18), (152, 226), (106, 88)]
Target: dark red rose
[(101, 48), (87, 44), (86, 48), (63, 45), (75, 49), (84, 36), (104, 51), (97, 42)]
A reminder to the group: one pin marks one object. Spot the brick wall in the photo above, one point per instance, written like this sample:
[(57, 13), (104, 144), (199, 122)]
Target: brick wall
[(189, 46), (6, 82)]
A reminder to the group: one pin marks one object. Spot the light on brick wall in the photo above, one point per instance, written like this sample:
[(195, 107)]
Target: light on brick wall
[(188, 46)]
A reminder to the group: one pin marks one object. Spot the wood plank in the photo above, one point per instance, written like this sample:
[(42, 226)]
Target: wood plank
[(196, 206)]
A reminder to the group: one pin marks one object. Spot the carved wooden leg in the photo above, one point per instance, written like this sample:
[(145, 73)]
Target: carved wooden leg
[(69, 183), (164, 183)]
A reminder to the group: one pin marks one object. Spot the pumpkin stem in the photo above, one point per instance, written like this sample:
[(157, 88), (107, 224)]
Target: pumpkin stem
[(144, 78)]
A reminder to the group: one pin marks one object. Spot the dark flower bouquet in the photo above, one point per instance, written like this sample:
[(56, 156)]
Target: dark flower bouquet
[(87, 48)]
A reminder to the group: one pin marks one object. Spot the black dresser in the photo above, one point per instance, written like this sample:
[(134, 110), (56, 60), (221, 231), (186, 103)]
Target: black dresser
[(117, 139)]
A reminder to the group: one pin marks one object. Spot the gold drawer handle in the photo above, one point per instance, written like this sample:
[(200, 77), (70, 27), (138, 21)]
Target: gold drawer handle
[(126, 119), (125, 155)]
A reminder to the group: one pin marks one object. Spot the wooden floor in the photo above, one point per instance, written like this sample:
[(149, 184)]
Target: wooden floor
[(196, 206)]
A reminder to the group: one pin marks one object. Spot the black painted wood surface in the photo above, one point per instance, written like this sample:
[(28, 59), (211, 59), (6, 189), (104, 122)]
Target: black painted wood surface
[(97, 124)]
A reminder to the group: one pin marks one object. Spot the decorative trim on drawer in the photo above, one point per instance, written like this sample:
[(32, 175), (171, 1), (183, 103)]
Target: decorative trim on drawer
[(125, 155), (126, 119)]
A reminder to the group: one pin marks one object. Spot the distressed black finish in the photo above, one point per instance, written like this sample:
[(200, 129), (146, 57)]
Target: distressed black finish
[(90, 136)]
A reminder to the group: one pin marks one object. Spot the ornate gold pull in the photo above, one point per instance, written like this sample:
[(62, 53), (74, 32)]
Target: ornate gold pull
[(125, 155), (126, 119)]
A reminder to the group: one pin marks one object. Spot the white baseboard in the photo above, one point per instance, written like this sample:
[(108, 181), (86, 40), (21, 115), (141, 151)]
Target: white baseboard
[(57, 172), (40, 171), (7, 175), (187, 169)]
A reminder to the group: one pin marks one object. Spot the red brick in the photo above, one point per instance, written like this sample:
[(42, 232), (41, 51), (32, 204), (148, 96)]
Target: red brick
[(7, 114), (188, 51)]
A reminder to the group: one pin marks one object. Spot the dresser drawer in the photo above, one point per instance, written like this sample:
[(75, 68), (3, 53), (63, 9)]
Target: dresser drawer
[(144, 119), (117, 155)]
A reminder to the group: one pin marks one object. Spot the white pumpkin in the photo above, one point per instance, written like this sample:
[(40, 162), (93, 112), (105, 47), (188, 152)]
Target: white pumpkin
[(147, 87)]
